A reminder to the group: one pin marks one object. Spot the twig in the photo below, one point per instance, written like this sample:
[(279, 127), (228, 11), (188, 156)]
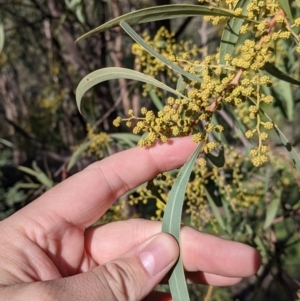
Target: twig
[(209, 293)]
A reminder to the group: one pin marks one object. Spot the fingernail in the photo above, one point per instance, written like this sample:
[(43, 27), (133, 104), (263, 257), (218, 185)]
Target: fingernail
[(159, 253)]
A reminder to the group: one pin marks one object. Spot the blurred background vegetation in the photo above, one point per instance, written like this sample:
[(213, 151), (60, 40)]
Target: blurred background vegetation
[(40, 68), (44, 138)]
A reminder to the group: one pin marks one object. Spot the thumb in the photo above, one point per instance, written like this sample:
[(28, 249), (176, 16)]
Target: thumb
[(128, 278)]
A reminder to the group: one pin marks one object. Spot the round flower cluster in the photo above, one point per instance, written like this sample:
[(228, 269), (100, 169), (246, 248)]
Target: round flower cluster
[(98, 142)]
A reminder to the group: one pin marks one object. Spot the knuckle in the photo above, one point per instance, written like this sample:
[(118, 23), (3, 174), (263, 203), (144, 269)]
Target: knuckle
[(123, 281)]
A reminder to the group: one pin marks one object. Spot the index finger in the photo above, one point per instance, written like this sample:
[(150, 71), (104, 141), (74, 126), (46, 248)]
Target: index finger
[(83, 198)]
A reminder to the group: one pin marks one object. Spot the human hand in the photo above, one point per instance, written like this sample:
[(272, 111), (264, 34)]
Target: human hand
[(48, 252)]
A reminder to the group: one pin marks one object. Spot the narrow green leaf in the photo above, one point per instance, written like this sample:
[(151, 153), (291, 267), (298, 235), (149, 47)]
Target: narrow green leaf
[(181, 85), (162, 12), (2, 37), (249, 230), (46, 181), (79, 14), (42, 177), (231, 32), (292, 152), (283, 90), (219, 160), (130, 139), (285, 5), (267, 179), (104, 74), (239, 230), (76, 155), (126, 137), (260, 246), (155, 99), (28, 170), (226, 208), (38, 174), (27, 186), (171, 224), (6, 143), (272, 210), (136, 37), (72, 4), (215, 210), (271, 69), (177, 283), (297, 95), (175, 200)]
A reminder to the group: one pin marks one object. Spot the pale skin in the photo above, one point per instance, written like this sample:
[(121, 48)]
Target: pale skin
[(48, 251)]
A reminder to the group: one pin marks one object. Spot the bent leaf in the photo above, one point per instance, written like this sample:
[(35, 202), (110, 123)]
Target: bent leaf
[(271, 69), (109, 73), (142, 43), (171, 224), (162, 12)]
